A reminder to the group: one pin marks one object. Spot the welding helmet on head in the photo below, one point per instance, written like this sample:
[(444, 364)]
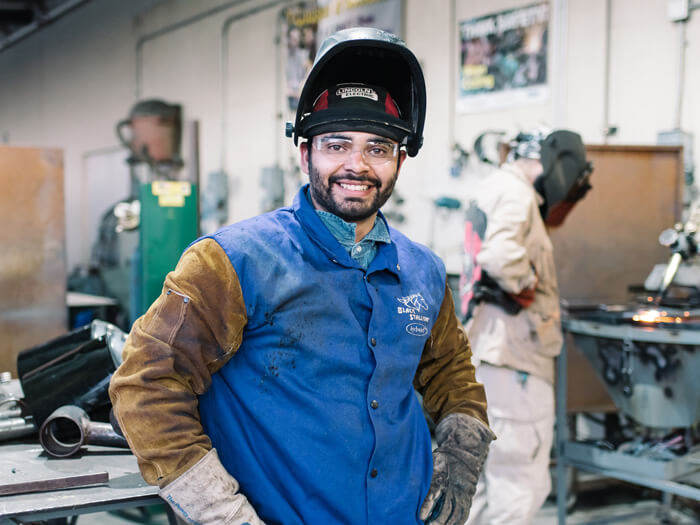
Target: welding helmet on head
[(363, 79), (565, 171)]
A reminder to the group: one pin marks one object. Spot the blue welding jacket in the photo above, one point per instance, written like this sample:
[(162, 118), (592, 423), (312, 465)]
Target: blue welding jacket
[(315, 415)]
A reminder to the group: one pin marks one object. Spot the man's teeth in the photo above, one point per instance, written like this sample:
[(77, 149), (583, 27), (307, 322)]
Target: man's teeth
[(354, 187)]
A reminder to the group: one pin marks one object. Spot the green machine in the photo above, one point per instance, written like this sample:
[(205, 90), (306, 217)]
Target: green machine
[(169, 223), (167, 206)]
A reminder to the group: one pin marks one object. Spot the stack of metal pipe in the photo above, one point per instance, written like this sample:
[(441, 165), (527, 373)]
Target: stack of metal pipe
[(13, 422)]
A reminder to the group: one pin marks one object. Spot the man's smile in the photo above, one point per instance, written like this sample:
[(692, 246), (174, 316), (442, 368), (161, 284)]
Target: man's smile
[(352, 187)]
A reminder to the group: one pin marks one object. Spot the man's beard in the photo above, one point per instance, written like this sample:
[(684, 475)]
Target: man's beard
[(349, 209)]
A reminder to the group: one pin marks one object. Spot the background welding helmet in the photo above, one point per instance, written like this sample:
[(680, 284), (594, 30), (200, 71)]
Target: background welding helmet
[(364, 56), (565, 175)]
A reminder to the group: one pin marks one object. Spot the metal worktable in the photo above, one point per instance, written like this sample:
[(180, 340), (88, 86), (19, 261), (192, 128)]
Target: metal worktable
[(28, 462), (571, 454)]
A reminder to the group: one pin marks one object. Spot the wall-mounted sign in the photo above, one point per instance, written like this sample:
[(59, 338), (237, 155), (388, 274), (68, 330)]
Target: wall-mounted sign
[(309, 23), (504, 59)]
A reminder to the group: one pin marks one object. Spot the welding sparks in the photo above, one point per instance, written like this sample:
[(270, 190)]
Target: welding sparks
[(647, 316), (656, 316)]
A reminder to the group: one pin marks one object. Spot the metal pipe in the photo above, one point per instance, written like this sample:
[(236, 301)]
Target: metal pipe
[(606, 73), (280, 80), (88, 225), (68, 428), (15, 427), (562, 433), (48, 18), (223, 55), (561, 26), (193, 161), (173, 27), (681, 77), (671, 270), (452, 72), (224, 67), (11, 412)]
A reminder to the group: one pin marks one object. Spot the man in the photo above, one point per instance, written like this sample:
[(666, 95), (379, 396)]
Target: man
[(274, 381), (510, 296)]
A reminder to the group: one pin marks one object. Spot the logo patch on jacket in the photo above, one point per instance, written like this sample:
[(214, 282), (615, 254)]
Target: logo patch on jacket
[(413, 305), (414, 301), (417, 329)]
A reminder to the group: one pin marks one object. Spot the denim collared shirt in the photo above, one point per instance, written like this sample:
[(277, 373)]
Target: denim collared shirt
[(364, 251)]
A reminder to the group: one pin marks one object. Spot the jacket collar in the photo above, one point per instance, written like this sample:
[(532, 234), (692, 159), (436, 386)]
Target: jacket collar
[(515, 170)]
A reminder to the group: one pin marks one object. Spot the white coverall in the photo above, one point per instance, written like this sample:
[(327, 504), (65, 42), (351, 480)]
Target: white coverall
[(515, 353)]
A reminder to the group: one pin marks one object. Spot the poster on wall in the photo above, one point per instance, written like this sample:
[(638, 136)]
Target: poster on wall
[(309, 23), (504, 59)]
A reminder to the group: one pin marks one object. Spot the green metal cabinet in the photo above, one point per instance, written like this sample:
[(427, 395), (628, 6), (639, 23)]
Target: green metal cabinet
[(169, 223)]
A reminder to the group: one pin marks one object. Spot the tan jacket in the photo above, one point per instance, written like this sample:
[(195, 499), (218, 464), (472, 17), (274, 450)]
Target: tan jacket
[(175, 348), (517, 253)]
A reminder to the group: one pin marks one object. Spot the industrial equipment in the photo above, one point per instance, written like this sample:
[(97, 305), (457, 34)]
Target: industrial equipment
[(648, 354), (162, 206), (73, 369)]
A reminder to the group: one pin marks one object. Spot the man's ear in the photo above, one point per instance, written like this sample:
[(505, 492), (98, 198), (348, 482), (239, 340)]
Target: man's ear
[(402, 157), (304, 157)]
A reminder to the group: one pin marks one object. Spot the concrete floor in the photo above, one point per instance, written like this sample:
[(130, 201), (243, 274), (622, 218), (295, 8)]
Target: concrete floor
[(610, 503)]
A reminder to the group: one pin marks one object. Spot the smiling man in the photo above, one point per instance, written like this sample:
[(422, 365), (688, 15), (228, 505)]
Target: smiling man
[(276, 379)]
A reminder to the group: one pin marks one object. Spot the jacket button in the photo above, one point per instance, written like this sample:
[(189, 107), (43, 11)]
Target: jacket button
[(373, 341), (373, 473), (374, 403)]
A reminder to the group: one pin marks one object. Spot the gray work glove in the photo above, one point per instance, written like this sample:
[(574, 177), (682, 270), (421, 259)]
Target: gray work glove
[(207, 494), (463, 442)]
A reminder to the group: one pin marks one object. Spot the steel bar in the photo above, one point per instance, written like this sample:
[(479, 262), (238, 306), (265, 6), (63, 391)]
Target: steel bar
[(82, 480), (50, 17), (562, 435), (672, 487)]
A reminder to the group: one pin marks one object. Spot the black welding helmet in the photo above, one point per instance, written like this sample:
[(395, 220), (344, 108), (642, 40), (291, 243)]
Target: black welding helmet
[(363, 79), (565, 171)]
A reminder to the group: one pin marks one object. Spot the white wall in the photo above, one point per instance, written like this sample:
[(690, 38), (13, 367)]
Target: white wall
[(67, 86)]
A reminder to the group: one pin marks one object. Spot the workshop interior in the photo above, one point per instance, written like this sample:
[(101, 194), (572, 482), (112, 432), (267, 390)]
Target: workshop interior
[(128, 129)]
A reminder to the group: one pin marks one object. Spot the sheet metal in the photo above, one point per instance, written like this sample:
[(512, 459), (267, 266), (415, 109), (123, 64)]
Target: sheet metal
[(33, 258)]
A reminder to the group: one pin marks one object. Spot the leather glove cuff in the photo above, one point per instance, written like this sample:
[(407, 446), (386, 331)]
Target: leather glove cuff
[(464, 433), (208, 494)]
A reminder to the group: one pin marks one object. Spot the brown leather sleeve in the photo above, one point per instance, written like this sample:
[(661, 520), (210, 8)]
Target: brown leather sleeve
[(445, 375), (189, 332)]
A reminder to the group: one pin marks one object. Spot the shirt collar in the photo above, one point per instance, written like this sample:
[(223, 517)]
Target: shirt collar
[(316, 229), (345, 231)]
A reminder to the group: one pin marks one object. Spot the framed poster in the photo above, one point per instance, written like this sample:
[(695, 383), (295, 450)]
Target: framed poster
[(309, 23), (503, 59)]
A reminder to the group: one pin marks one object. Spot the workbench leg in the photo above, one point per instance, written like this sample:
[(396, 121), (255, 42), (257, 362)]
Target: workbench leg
[(664, 512), (562, 434)]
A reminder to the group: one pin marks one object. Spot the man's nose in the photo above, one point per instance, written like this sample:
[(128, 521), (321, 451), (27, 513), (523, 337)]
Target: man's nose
[(355, 161)]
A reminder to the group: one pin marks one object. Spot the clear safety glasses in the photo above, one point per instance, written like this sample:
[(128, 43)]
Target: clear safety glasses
[(338, 149)]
